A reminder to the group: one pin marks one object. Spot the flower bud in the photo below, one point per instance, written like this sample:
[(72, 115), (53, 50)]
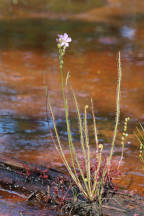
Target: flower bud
[(59, 46)]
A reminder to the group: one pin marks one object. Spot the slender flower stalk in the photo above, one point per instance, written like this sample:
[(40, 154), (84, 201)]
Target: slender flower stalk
[(63, 42)]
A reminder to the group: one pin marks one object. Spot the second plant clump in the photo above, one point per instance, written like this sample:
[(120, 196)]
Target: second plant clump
[(140, 137), (91, 177)]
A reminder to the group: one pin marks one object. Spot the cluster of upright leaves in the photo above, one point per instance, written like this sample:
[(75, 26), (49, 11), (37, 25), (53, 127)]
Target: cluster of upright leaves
[(90, 182), (140, 137)]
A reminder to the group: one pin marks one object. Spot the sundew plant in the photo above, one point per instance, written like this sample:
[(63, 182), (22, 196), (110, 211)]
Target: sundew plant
[(90, 177)]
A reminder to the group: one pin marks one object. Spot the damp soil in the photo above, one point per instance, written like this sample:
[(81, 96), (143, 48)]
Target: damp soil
[(49, 188)]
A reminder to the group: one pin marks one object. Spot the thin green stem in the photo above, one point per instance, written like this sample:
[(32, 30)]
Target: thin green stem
[(88, 150), (80, 129), (117, 108), (95, 129), (66, 113)]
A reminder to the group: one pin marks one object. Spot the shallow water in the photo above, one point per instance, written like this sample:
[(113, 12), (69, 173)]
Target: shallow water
[(29, 53)]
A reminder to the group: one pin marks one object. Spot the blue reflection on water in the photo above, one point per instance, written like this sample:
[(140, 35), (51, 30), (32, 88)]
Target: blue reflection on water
[(128, 32)]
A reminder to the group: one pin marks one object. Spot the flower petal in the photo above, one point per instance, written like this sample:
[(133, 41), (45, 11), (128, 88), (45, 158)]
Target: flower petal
[(66, 44), (69, 39), (65, 36), (62, 43), (59, 36)]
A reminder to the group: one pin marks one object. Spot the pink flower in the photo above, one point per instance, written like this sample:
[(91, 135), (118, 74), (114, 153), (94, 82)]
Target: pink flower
[(63, 40)]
